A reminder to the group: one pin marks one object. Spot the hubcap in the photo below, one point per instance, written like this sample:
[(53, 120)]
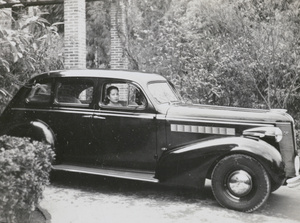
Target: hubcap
[(239, 183)]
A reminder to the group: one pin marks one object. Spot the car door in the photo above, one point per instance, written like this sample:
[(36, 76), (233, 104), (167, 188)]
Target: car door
[(71, 117), (126, 134)]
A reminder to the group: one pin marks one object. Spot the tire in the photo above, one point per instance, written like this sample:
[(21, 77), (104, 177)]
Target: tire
[(241, 183)]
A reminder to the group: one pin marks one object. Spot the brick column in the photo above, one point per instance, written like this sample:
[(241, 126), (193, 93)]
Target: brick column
[(118, 32), (75, 34)]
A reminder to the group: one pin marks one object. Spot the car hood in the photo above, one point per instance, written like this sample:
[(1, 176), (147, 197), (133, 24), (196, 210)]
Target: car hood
[(206, 112)]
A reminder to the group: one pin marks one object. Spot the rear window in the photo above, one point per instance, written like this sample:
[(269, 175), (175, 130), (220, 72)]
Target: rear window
[(40, 92)]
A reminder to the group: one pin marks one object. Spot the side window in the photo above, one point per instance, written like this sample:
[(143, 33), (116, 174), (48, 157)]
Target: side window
[(123, 95), (74, 92), (40, 92)]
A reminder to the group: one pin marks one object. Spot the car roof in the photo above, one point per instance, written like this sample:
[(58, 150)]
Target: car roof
[(137, 76)]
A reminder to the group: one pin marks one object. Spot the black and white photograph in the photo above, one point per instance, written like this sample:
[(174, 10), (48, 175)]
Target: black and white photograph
[(153, 111)]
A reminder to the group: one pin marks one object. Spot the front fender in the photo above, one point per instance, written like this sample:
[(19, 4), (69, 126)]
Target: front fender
[(191, 164)]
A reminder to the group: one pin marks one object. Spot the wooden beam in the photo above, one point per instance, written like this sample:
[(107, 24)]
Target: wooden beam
[(22, 3), (17, 3)]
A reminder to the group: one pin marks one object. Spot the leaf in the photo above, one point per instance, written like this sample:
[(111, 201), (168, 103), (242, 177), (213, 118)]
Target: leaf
[(20, 55), (15, 53), (58, 23), (5, 64)]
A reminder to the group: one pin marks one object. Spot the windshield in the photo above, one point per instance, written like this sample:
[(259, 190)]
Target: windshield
[(163, 93)]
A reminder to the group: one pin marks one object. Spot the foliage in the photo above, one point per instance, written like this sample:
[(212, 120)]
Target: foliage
[(54, 14), (241, 53), (32, 47), (24, 172), (98, 34)]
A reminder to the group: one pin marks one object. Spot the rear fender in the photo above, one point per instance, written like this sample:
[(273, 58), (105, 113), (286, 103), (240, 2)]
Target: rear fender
[(36, 130), (190, 164)]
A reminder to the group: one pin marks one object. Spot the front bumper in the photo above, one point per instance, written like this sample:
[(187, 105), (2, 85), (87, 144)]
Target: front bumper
[(295, 181)]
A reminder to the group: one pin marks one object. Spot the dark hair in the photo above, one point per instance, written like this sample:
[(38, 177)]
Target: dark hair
[(108, 90)]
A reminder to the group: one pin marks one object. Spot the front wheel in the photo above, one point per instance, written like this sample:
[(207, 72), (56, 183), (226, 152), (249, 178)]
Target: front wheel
[(240, 182)]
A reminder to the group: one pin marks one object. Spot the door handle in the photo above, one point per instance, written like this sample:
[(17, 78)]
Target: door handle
[(87, 116), (99, 117), (93, 116)]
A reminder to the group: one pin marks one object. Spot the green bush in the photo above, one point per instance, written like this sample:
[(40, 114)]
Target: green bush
[(24, 172)]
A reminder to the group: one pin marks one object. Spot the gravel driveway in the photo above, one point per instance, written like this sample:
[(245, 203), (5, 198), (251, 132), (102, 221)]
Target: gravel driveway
[(90, 199)]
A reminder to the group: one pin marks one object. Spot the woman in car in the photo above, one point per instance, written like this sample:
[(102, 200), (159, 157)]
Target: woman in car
[(112, 97)]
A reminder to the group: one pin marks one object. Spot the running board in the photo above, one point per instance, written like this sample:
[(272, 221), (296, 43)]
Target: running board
[(148, 177)]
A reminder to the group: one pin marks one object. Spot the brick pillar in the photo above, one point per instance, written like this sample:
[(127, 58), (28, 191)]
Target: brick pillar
[(118, 32), (75, 34), (5, 18)]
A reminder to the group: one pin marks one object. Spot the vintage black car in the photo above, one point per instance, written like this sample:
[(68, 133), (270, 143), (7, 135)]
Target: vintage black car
[(149, 134)]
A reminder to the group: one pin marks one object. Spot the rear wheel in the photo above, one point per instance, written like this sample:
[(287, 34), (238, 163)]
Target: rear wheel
[(241, 183)]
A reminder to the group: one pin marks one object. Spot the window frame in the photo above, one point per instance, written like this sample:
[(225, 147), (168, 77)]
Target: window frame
[(126, 107)]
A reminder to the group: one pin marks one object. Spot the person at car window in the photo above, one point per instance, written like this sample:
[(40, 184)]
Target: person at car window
[(112, 97)]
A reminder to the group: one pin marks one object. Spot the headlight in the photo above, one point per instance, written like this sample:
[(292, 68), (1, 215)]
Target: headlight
[(261, 132), (278, 134)]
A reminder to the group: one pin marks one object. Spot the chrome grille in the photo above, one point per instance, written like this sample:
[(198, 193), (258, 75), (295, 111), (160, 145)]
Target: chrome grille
[(287, 147)]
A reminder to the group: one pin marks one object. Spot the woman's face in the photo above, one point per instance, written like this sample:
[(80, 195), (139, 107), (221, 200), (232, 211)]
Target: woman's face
[(114, 96)]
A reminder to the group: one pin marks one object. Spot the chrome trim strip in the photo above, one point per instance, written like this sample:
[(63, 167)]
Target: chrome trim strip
[(62, 110), (202, 129), (137, 115), (91, 112), (218, 121), (147, 177)]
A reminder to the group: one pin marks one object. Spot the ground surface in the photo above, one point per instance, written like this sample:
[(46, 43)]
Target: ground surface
[(89, 199)]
